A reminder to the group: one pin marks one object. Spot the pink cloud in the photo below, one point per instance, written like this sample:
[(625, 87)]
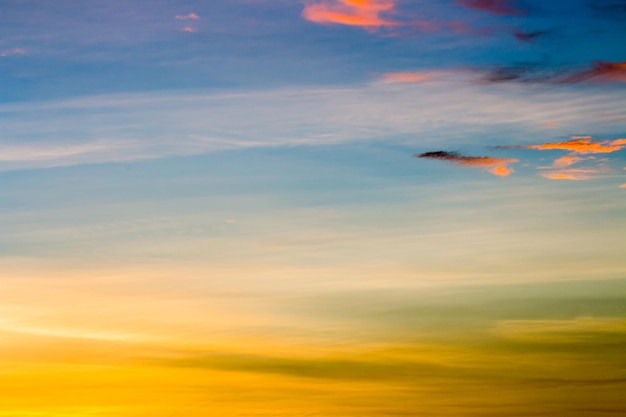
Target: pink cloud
[(409, 77), (192, 16), (425, 76), (188, 29)]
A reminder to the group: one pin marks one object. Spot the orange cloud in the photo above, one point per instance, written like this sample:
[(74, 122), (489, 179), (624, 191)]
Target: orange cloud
[(566, 161), (495, 166), (583, 145), (364, 13), (623, 185), (188, 16), (570, 174)]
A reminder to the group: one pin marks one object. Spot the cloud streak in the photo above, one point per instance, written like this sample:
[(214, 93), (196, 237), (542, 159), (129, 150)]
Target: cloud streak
[(191, 16), (495, 166), (526, 73), (497, 7), (14, 51), (583, 145), (600, 72), (570, 174)]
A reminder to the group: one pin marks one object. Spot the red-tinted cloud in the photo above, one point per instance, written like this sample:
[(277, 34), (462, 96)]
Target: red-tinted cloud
[(363, 13), (583, 145), (498, 7), (536, 73), (496, 166), (601, 71)]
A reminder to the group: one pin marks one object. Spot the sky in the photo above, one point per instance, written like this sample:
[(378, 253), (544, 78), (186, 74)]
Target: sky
[(331, 208)]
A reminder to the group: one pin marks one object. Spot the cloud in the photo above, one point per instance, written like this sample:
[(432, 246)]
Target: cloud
[(601, 71), (188, 29), (364, 13), (409, 77), (496, 166), (14, 51), (565, 161), (498, 7), (583, 145), (529, 37), (123, 127), (429, 76), (570, 174), (623, 185), (374, 14), (527, 73), (192, 16), (558, 170)]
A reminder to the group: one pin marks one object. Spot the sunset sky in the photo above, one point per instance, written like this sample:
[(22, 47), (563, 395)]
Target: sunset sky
[(331, 208)]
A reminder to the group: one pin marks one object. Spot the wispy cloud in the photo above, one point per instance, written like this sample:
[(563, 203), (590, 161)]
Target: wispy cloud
[(427, 76), (566, 161), (496, 166), (409, 77), (601, 71), (191, 16), (498, 7), (188, 29), (124, 127), (364, 13), (529, 36), (570, 174), (526, 73), (14, 51)]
